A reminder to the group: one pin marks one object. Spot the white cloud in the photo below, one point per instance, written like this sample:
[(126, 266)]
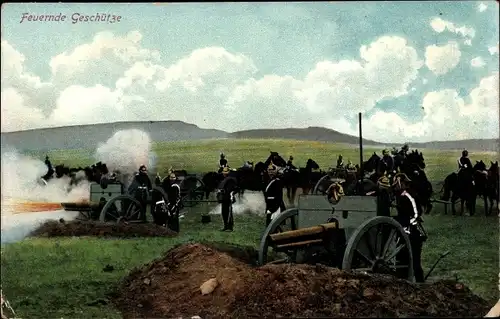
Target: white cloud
[(446, 116), (439, 25), (442, 59), (493, 50), (477, 62), (214, 88), (481, 7)]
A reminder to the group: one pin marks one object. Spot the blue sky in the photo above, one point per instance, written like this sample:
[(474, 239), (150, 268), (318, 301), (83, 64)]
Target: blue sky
[(280, 42)]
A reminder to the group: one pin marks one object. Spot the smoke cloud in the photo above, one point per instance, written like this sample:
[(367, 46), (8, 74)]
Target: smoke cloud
[(125, 151), (249, 203)]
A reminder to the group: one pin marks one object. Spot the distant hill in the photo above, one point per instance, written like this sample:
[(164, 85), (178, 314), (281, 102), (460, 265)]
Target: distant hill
[(88, 136)]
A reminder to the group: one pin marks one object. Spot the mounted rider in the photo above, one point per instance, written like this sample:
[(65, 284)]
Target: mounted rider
[(386, 163), (273, 194), (226, 192), (409, 216), (464, 162), (222, 162), (340, 162), (350, 166), (289, 163)]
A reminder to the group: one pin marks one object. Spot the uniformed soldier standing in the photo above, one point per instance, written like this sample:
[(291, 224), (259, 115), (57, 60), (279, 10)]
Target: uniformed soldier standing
[(226, 197), (144, 186), (173, 191), (273, 194), (409, 216)]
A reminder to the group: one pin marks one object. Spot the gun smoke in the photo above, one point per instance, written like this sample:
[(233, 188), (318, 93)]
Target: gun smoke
[(125, 151)]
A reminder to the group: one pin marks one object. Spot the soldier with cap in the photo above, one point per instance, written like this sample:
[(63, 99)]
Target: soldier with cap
[(289, 163), (222, 162), (464, 162), (226, 197), (173, 191), (273, 194), (140, 187), (409, 216), (340, 162), (386, 163)]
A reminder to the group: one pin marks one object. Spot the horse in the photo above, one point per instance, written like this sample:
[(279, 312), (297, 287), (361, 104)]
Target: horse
[(276, 159), (493, 185), (413, 166), (372, 165), (249, 178), (480, 177), (460, 186), (304, 178)]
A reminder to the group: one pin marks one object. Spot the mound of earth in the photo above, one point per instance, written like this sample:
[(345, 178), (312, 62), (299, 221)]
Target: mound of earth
[(170, 287), (98, 229)]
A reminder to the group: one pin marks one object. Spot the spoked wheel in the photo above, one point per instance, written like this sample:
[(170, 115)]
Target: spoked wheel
[(122, 208), (380, 245), (285, 221), (193, 189), (322, 185)]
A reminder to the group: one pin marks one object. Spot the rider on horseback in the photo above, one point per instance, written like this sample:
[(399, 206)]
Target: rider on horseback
[(340, 162), (464, 162), (386, 163), (289, 164), (350, 166), (404, 150), (222, 162)]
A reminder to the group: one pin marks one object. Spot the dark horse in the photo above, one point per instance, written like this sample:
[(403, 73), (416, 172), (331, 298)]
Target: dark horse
[(304, 178), (482, 189), (460, 186), (413, 166), (493, 185)]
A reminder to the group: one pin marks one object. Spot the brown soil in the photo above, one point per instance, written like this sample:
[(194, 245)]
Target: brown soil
[(169, 288), (63, 228)]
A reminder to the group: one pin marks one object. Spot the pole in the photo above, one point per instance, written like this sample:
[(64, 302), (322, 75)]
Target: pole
[(360, 146)]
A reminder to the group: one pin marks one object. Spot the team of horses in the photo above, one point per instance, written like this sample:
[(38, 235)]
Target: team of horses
[(465, 186)]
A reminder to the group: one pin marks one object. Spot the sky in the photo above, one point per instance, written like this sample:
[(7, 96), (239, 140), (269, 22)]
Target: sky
[(418, 71)]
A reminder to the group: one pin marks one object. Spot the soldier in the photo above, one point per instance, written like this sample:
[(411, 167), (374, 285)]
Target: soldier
[(350, 166), (409, 216), (289, 164), (273, 194), (222, 162), (464, 161), (386, 163), (404, 150), (226, 197), (173, 191), (143, 187), (340, 162)]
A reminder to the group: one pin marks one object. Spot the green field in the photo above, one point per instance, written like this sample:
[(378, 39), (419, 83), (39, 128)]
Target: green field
[(60, 278)]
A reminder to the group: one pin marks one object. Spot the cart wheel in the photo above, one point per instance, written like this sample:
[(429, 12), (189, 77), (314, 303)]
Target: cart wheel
[(122, 208), (194, 189), (285, 221), (322, 185), (380, 245)]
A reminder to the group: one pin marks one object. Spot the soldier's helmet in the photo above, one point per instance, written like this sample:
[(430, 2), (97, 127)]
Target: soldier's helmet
[(291, 158), (225, 170), (405, 147), (385, 152), (384, 182), (465, 153), (143, 169), (340, 156), (222, 155), (172, 177)]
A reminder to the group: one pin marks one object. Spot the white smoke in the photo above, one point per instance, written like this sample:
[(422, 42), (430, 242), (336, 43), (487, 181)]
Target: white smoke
[(126, 150), (249, 203), (20, 177)]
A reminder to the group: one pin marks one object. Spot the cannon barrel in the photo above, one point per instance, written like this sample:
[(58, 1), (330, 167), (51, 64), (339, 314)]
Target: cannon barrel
[(302, 237), (80, 206)]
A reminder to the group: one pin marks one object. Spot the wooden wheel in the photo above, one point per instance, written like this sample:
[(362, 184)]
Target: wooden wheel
[(380, 245), (285, 221), (193, 190), (322, 185), (122, 208)]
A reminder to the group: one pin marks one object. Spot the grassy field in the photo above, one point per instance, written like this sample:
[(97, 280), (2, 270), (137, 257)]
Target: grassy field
[(61, 278), (203, 156)]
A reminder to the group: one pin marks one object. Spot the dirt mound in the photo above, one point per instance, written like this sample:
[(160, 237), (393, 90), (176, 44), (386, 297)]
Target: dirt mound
[(94, 228), (170, 287)]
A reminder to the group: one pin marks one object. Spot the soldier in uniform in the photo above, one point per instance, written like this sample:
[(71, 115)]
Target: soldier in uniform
[(350, 166), (144, 186), (386, 163), (173, 191), (409, 216), (340, 162), (222, 162), (289, 163), (273, 194), (464, 161), (50, 169), (226, 197)]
